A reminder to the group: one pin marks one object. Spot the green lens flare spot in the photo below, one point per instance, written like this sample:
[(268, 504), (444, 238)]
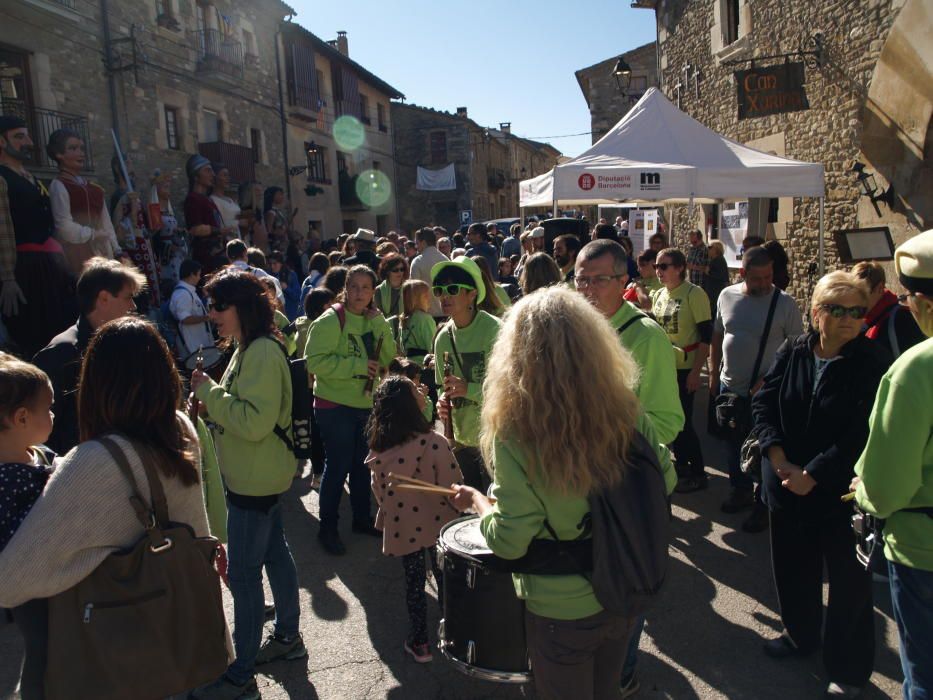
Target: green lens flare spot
[(349, 133), (373, 188)]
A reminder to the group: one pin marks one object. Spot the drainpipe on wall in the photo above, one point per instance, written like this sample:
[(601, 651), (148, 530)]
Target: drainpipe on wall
[(108, 64), (278, 75)]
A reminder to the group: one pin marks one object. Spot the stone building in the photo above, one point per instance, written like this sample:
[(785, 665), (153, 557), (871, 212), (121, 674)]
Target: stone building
[(339, 136), (487, 165), (177, 77), (868, 86), (609, 99)]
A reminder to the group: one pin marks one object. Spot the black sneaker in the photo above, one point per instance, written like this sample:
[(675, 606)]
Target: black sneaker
[(758, 519), (366, 527), (690, 484), (738, 500), (331, 543), (782, 648)]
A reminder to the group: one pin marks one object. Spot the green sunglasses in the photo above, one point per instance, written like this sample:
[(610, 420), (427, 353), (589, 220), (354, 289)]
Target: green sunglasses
[(450, 290), (838, 311)]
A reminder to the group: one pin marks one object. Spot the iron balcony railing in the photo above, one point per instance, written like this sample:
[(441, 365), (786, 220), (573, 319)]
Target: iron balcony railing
[(42, 123), (218, 53)]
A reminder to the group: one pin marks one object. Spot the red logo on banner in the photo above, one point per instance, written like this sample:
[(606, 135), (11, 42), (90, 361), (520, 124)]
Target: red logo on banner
[(586, 181)]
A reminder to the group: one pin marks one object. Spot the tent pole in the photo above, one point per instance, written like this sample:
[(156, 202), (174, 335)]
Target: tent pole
[(821, 243)]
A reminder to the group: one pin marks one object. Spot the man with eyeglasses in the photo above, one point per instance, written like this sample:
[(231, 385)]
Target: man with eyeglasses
[(741, 315), (600, 274)]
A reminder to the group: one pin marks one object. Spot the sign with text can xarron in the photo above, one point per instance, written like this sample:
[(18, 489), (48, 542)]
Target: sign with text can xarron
[(771, 90)]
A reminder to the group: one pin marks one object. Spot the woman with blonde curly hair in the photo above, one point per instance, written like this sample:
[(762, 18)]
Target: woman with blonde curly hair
[(556, 429)]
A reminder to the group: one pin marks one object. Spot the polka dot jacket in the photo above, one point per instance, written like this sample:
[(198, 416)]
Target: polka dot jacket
[(20, 488), (411, 520)]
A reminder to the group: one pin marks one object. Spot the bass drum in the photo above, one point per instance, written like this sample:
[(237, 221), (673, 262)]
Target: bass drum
[(482, 632), (215, 362)]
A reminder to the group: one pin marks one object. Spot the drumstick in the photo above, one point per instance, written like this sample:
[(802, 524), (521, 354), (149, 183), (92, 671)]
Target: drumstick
[(427, 489), (410, 480)]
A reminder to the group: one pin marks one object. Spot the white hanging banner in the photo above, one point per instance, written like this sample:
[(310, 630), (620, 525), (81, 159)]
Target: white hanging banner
[(733, 231), (434, 180), (642, 225)]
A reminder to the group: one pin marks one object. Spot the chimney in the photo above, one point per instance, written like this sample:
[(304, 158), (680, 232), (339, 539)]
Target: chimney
[(462, 112), (505, 127), (342, 45)]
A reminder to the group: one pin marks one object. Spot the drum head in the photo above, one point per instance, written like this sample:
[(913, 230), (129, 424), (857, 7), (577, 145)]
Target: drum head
[(211, 357), (463, 536)]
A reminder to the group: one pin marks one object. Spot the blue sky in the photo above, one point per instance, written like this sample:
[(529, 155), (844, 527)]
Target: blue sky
[(506, 61)]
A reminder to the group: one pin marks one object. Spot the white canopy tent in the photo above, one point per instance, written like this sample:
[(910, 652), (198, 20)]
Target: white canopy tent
[(656, 153)]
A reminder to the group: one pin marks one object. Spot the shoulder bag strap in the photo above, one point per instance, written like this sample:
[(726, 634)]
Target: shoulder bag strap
[(635, 318), (149, 517), (281, 432), (764, 337), (892, 332), (453, 344)]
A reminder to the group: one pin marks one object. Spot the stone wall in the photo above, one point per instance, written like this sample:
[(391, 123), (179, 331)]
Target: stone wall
[(830, 132), (607, 102)]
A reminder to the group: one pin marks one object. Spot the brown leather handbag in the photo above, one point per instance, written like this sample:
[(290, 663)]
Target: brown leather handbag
[(149, 621)]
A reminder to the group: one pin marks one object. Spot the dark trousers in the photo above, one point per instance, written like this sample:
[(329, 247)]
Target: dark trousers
[(343, 429), (686, 446), (799, 550), (32, 618), (580, 659), (317, 447), (415, 599), (912, 599), (471, 463)]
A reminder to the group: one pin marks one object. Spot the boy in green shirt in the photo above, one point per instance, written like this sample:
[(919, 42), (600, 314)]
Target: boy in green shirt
[(468, 338)]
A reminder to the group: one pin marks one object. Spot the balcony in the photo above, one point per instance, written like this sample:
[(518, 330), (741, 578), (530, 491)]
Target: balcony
[(495, 178), (239, 159), (42, 123), (219, 54), (349, 199)]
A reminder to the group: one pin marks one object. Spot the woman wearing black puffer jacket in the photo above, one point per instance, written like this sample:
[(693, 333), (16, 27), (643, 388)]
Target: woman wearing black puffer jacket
[(811, 418)]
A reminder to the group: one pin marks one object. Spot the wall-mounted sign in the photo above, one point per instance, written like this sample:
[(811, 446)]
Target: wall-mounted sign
[(466, 216), (771, 90)]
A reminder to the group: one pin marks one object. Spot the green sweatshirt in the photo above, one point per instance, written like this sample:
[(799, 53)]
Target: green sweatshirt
[(254, 395), (212, 483), (896, 466), (518, 517), (338, 357), (416, 339), (383, 299), (657, 383), (469, 363), (503, 297)]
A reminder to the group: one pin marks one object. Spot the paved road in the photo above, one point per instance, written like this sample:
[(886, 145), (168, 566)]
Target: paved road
[(702, 641)]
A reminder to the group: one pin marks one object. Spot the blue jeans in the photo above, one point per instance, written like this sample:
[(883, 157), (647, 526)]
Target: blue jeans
[(631, 655), (344, 432), (256, 539), (912, 600)]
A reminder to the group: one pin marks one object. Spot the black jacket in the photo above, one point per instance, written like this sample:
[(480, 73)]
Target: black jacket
[(61, 360), (823, 432)]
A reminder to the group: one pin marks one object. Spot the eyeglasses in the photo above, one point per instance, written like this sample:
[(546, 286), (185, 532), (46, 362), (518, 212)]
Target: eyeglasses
[(902, 298), (598, 281), (838, 311), (450, 290), (397, 269), (662, 266), (218, 306)]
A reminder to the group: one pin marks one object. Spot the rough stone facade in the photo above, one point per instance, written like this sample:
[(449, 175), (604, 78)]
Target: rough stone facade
[(214, 65), (487, 163), (609, 100), (869, 101)]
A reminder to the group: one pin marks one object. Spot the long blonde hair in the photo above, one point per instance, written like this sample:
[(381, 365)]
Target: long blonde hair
[(559, 383)]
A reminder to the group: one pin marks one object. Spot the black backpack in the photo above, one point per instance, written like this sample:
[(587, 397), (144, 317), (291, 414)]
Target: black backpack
[(625, 559)]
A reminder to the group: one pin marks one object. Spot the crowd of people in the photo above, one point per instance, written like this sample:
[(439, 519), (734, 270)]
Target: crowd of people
[(263, 350)]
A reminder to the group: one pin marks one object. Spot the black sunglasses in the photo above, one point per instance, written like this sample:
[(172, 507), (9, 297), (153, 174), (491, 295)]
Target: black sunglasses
[(396, 269), (838, 311), (663, 266), (218, 306)]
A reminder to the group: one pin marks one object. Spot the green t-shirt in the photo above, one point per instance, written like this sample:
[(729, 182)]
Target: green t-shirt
[(503, 297), (473, 344), (679, 312), (338, 357), (388, 300), (416, 337)]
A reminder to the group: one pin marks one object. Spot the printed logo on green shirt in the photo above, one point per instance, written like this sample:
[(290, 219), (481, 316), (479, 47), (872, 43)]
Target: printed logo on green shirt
[(669, 316), (361, 345)]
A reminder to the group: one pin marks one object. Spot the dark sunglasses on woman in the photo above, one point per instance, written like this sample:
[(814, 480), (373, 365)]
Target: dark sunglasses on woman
[(218, 306), (838, 311)]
